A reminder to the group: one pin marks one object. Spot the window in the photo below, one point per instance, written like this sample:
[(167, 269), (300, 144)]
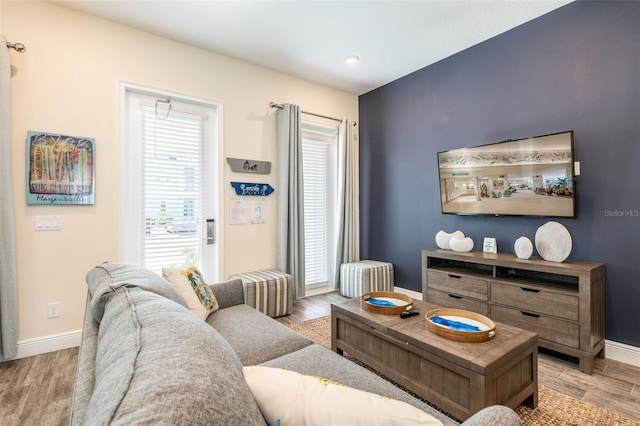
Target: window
[(170, 147), (319, 166), (172, 196)]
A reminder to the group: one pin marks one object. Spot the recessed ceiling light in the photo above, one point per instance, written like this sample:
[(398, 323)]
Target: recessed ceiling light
[(351, 59)]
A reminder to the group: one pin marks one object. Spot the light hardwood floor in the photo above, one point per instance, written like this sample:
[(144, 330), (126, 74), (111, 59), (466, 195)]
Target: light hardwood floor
[(37, 390)]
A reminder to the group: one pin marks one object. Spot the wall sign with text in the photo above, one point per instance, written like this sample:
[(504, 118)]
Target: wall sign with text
[(249, 166), (254, 189)]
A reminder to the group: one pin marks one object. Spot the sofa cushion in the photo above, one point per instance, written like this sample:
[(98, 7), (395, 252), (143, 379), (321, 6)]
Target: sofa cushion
[(290, 398), (255, 337), (158, 364), (316, 360), (105, 279), (194, 290)]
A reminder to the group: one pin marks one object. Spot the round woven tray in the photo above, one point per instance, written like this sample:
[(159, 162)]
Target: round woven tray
[(402, 302), (460, 335)]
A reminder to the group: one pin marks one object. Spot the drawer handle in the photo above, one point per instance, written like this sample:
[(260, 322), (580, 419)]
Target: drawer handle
[(455, 297), (455, 276), (532, 290), (529, 314)]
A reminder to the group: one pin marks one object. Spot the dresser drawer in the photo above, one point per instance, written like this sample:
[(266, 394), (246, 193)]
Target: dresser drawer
[(552, 329), (535, 299), (462, 285), (450, 300)]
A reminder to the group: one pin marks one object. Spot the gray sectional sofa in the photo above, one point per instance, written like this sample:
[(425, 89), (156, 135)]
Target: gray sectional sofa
[(144, 358)]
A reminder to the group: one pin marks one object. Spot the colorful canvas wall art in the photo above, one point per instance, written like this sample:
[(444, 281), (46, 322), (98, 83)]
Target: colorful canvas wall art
[(60, 169)]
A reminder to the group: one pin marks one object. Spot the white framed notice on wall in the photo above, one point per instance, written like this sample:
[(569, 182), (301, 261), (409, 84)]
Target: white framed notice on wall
[(237, 212), (258, 212)]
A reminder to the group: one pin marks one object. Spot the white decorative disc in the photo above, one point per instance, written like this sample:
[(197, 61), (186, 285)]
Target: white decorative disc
[(553, 242), (523, 248)]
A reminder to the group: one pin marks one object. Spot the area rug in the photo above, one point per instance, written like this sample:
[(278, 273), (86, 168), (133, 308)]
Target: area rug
[(554, 408)]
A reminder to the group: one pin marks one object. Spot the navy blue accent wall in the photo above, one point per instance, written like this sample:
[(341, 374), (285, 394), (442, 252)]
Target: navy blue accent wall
[(576, 68)]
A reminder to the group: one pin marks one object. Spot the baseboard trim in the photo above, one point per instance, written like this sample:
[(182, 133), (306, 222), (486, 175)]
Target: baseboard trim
[(621, 352), (613, 350), (410, 293), (51, 343)]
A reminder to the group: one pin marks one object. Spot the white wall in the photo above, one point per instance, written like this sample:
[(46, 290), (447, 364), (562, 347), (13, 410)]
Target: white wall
[(67, 82)]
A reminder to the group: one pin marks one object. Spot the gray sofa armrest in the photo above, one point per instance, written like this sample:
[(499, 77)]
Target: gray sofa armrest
[(85, 368), (228, 293), (494, 415)]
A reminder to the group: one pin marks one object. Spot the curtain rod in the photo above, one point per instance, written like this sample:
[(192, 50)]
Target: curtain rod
[(18, 47), (275, 105)]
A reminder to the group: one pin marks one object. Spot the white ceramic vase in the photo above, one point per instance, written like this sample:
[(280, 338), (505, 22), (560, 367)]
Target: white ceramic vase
[(443, 238), (461, 244)]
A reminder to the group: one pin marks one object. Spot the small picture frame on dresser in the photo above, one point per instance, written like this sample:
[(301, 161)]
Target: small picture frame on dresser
[(489, 246)]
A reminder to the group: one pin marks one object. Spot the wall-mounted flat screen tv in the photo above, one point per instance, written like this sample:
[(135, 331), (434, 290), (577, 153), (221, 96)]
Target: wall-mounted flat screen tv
[(525, 177)]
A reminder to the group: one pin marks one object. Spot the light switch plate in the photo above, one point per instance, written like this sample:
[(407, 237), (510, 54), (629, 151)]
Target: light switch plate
[(47, 223), (53, 310)]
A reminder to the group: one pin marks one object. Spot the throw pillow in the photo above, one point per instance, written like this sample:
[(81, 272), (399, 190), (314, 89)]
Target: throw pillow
[(182, 286), (188, 281), (289, 398)]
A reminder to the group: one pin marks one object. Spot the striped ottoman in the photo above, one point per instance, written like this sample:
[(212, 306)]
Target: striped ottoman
[(269, 291), (364, 276)]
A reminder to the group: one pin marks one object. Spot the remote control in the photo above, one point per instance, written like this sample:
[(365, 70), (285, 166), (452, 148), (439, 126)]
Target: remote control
[(408, 314)]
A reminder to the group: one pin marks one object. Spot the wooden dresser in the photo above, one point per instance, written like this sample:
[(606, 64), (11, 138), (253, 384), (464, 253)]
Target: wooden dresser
[(562, 302)]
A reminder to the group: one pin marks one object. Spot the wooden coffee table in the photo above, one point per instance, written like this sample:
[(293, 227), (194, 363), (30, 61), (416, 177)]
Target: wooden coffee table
[(460, 378)]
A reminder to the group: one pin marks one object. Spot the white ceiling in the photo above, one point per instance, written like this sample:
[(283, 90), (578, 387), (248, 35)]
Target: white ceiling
[(310, 39)]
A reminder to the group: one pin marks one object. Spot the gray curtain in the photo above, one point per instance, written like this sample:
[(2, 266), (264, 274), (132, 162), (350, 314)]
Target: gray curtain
[(290, 250), (348, 214), (8, 296)]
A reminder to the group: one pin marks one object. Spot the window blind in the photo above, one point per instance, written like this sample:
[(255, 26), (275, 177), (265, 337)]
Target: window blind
[(315, 166), (172, 188)]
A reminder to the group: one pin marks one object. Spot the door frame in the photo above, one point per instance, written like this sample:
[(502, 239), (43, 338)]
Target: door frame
[(214, 207)]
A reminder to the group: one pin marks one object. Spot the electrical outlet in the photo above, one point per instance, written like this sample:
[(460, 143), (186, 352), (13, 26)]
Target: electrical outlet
[(53, 309)]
